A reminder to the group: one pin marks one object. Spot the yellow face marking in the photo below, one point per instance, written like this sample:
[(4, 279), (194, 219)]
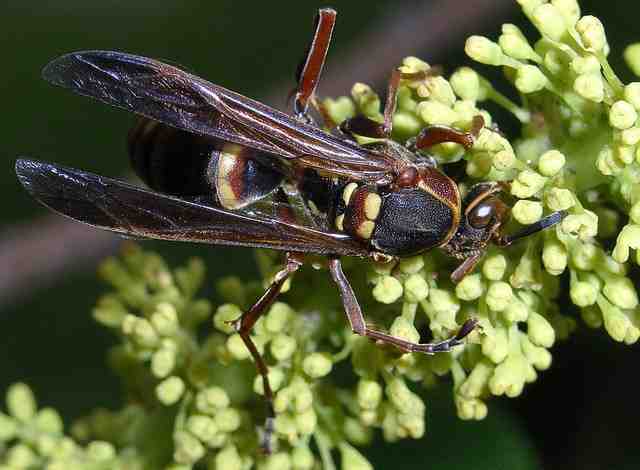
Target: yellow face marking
[(365, 229), (340, 222), (348, 192), (372, 205)]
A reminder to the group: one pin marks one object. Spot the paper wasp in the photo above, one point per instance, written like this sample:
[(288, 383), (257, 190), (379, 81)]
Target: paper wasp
[(213, 159)]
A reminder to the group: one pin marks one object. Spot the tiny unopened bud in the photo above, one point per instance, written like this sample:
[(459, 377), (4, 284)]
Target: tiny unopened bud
[(466, 84), (530, 79), (229, 459), (163, 362), (276, 378), (632, 57), (559, 199), (484, 50), (369, 393), (227, 420), (527, 184), (283, 347), (210, 400), (237, 348), (170, 390), (540, 331), (352, 459), (621, 292), (549, 21), (499, 296), (554, 257), (629, 238), (470, 288), (165, 319), (433, 112), (187, 449), (590, 86), (226, 313), (551, 162), (527, 212), (317, 365), (387, 290), (416, 288), (278, 317), (622, 115), (21, 402), (592, 33), (494, 266)]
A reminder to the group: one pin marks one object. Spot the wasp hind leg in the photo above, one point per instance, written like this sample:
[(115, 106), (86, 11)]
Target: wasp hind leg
[(358, 325), (243, 327)]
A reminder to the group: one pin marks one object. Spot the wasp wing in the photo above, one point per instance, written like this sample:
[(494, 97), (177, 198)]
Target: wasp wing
[(165, 93), (120, 207)]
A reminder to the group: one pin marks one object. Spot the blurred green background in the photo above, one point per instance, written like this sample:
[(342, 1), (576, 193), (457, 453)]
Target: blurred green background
[(581, 414)]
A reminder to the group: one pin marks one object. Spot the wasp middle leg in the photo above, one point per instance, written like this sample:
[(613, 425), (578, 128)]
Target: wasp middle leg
[(359, 326)]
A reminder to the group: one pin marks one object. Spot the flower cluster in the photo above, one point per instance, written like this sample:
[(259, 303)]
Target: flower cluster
[(195, 390)]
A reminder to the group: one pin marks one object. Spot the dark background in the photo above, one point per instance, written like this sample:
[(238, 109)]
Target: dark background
[(580, 414)]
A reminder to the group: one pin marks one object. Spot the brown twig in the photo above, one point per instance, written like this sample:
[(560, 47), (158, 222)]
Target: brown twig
[(36, 254)]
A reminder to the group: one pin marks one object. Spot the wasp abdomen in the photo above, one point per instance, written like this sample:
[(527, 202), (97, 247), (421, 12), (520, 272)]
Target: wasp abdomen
[(184, 164)]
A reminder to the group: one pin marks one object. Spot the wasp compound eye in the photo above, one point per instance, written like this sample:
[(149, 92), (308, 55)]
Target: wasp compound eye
[(482, 215)]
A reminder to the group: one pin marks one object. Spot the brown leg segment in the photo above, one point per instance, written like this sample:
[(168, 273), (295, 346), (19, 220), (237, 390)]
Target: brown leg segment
[(310, 68), (244, 325), (434, 135), (358, 325)]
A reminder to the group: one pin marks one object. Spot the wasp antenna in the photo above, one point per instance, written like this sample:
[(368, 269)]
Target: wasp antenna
[(542, 224)]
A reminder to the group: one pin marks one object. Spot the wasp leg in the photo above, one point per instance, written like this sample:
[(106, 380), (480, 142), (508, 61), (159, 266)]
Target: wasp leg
[(244, 325), (434, 135), (465, 268), (358, 325), (361, 125), (310, 69)]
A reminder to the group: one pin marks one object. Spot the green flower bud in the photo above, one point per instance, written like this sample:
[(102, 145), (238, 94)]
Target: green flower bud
[(632, 94), (549, 21), (584, 225), (387, 290), (227, 420), (622, 115), (403, 328), (484, 50), (400, 396), (110, 311), (144, 334), (634, 213), (496, 346), (352, 459), (412, 64), (569, 9), (540, 331), (476, 382), (100, 451), (20, 456), (170, 390), (494, 266), (163, 361), (516, 312), (366, 100), (187, 449), (631, 136), (211, 400), (558, 199), (615, 322), (554, 257), (301, 458), (470, 288), (629, 238), (283, 347), (277, 461), (590, 86), (412, 424), (165, 319), (278, 317), (303, 396), (527, 184), (406, 124), (592, 33), (8, 428), (466, 83), (416, 289), (583, 294), (539, 357), (471, 408), (527, 212), (509, 377), (591, 317), (515, 45), (445, 307), (306, 422), (412, 265), (504, 160), (583, 65), (276, 378), (356, 432), (226, 313), (317, 365), (632, 57), (440, 90), (369, 393), (228, 459), (237, 348), (340, 109), (530, 79), (21, 402), (621, 292), (433, 112), (201, 426), (499, 296)]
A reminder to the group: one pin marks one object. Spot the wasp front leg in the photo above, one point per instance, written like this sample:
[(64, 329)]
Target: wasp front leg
[(359, 326), (437, 134)]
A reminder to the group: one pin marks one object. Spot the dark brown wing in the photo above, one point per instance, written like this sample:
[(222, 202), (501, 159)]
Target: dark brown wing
[(120, 207), (167, 94)]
